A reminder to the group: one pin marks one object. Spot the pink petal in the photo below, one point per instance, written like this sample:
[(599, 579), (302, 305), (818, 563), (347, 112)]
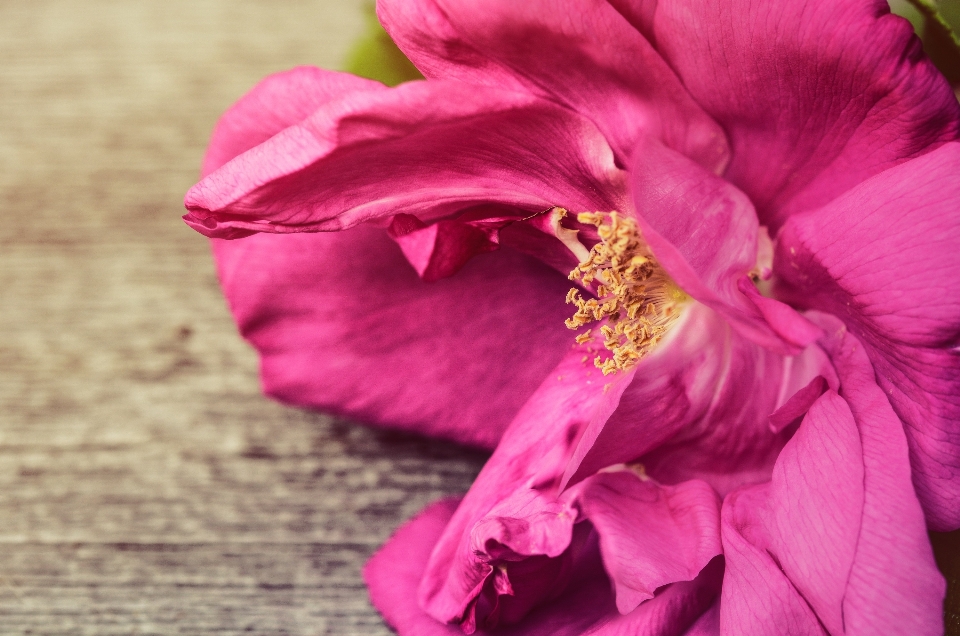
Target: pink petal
[(582, 55), (586, 607), (514, 500), (685, 416), (424, 148), (344, 324), (651, 535), (440, 250), (815, 96), (394, 572), (278, 101), (894, 584), (807, 519), (703, 232), (836, 539), (883, 257), (673, 610), (708, 624)]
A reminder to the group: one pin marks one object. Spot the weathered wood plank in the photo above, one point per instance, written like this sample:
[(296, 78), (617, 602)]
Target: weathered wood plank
[(145, 485)]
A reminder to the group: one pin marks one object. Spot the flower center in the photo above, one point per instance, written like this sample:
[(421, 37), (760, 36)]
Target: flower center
[(635, 298)]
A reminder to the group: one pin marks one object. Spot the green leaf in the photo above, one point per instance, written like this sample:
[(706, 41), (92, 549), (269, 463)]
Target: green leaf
[(375, 56), (937, 24)]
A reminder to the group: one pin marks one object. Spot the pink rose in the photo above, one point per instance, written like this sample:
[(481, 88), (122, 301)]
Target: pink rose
[(744, 435)]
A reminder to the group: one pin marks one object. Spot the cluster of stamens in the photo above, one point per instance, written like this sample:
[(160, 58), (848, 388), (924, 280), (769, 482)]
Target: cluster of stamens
[(635, 298)]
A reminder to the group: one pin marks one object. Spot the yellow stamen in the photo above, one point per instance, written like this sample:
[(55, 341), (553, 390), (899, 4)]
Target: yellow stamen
[(635, 296)]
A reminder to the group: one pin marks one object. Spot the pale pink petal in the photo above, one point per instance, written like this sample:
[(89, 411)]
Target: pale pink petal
[(816, 96), (836, 541), (578, 53), (429, 149), (757, 598), (343, 323), (651, 535), (884, 258), (685, 416)]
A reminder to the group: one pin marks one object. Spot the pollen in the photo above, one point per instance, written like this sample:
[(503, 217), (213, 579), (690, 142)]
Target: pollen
[(636, 301)]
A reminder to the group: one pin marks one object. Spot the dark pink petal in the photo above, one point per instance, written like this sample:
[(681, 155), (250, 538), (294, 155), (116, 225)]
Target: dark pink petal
[(685, 416), (423, 148), (583, 55), (343, 323), (704, 233), (836, 541), (672, 611), (278, 101), (708, 624), (651, 535), (884, 258), (798, 404), (815, 96)]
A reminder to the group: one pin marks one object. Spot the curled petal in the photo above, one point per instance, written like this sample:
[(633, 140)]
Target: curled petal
[(277, 102), (585, 608), (438, 147), (517, 487)]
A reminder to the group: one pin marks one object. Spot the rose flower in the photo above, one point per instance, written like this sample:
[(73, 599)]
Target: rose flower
[(748, 214)]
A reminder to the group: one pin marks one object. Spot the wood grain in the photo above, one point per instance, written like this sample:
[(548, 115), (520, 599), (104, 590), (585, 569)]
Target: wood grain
[(146, 487)]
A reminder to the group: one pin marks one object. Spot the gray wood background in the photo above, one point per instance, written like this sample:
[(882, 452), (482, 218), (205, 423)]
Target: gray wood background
[(146, 487)]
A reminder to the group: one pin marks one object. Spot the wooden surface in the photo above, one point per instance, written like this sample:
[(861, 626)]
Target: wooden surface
[(145, 485)]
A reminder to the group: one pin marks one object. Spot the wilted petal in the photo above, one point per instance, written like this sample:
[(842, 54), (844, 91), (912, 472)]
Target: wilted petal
[(583, 55), (586, 607), (518, 483), (438, 147), (884, 258), (343, 323), (815, 96)]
